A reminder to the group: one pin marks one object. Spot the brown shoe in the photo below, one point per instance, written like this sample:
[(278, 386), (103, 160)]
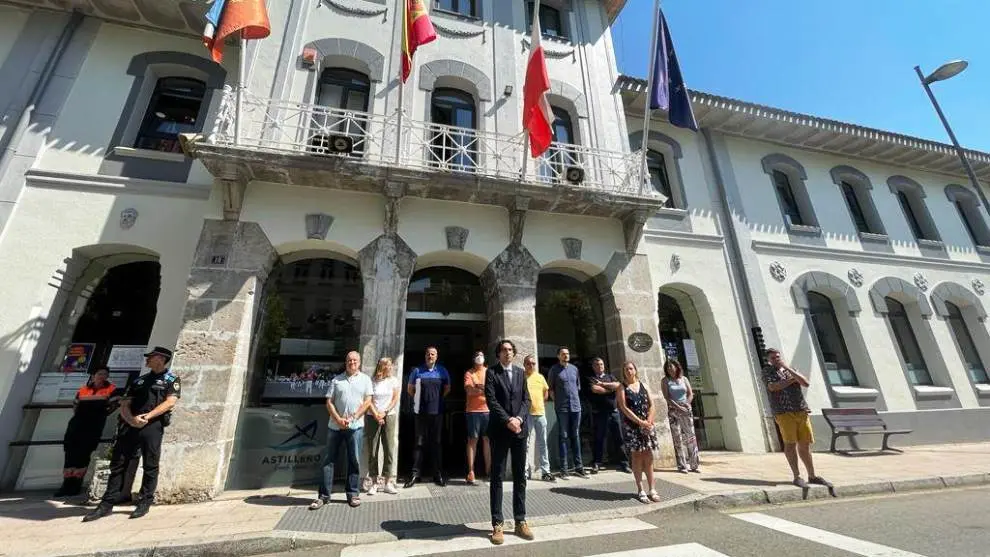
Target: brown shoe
[(523, 531), (498, 537)]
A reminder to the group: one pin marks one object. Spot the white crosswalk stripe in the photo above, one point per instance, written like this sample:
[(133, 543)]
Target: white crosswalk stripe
[(824, 537), (679, 550), (480, 541)]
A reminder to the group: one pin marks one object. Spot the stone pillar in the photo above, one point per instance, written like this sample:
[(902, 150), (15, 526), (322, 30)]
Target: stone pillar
[(509, 282), (232, 262), (629, 306)]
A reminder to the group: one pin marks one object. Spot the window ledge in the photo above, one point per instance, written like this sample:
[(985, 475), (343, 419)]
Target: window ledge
[(804, 229), (982, 389), (932, 392), (843, 392), (672, 213), (874, 238), (456, 15), (148, 154), (937, 244)]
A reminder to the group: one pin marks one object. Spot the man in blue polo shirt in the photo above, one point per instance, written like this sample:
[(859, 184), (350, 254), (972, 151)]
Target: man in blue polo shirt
[(565, 386), (428, 385)]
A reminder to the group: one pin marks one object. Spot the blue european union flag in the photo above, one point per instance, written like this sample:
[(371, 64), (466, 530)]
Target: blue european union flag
[(668, 90)]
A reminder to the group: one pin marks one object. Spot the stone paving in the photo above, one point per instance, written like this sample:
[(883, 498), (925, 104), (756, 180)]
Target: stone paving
[(245, 523)]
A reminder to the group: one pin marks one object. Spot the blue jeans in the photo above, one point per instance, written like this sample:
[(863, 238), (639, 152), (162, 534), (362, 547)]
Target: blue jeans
[(539, 431), (608, 431), (350, 441), (569, 432)]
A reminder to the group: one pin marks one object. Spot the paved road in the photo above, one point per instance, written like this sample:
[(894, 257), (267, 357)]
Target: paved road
[(950, 523)]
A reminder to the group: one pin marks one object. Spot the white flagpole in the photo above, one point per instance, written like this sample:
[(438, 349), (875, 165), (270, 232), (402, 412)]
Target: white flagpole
[(643, 173), (241, 80), (398, 121), (522, 173)]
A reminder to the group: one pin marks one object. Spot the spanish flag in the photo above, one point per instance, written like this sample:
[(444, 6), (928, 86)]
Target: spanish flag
[(227, 17), (416, 31)]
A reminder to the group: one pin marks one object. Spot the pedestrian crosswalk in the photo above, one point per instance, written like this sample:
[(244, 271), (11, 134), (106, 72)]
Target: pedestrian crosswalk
[(678, 550), (831, 539)]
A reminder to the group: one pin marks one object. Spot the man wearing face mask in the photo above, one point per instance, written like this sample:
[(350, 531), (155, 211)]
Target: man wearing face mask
[(476, 414)]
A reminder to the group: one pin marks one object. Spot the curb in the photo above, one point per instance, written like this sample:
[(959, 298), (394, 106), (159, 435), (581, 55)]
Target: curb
[(285, 541)]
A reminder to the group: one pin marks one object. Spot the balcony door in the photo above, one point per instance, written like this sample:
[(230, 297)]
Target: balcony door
[(342, 99), (454, 119), (558, 157)]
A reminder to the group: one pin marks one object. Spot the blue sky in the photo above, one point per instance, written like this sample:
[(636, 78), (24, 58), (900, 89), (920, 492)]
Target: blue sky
[(850, 60)]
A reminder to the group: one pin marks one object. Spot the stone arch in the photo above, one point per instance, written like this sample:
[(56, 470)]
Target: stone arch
[(636, 142), (827, 284), (290, 252), (778, 160), (215, 73), (846, 172), (958, 295), (955, 193), (899, 289), (574, 100), (335, 51), (898, 183), (468, 77), (575, 268), (466, 261)]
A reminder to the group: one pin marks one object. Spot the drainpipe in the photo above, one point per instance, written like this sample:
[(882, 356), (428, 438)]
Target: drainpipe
[(735, 259), (13, 138)]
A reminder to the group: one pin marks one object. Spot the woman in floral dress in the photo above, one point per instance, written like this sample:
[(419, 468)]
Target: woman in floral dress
[(639, 437)]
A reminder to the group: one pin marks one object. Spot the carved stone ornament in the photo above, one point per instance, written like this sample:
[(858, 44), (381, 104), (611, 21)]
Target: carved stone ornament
[(572, 247), (456, 237), (675, 262), (777, 271), (356, 7), (128, 217), (979, 287), (921, 282), (855, 277), (457, 30), (640, 342), (318, 225)]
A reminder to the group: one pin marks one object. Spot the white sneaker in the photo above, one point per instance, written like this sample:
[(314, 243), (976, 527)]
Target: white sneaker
[(366, 484), (373, 488), (390, 488)]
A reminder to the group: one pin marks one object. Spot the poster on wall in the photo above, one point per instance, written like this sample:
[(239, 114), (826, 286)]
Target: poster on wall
[(691, 354), (78, 357), (126, 357), (300, 378)]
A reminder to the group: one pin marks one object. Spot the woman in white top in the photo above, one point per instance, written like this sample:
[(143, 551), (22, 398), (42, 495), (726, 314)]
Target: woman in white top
[(380, 423)]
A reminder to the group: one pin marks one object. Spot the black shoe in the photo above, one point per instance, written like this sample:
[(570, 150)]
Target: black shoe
[(141, 510), (595, 468), (564, 475), (440, 481), (412, 481), (625, 468), (549, 478), (580, 472), (99, 512)]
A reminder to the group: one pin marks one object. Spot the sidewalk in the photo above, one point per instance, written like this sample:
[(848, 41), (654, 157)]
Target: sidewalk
[(246, 523)]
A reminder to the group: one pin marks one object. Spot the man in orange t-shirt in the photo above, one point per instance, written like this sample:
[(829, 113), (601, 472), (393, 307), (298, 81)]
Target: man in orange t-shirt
[(476, 413)]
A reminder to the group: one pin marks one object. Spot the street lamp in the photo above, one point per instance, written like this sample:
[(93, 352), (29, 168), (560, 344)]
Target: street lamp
[(947, 71)]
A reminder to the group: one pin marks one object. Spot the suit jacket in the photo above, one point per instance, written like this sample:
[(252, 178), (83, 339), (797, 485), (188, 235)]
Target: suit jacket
[(506, 400)]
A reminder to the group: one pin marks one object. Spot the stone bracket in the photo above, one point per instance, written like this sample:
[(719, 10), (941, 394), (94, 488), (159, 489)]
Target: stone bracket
[(517, 219), (632, 227), (233, 197), (394, 192)]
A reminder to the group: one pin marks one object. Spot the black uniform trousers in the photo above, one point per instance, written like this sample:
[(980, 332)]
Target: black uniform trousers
[(429, 428), (502, 446), (132, 443)]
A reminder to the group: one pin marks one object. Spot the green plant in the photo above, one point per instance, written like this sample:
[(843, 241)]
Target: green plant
[(276, 324)]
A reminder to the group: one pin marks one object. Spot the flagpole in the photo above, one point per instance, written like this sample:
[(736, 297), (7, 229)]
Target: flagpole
[(241, 80), (398, 123), (522, 172), (649, 93)]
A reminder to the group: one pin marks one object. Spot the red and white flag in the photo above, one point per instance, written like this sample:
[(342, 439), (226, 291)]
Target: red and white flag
[(537, 114)]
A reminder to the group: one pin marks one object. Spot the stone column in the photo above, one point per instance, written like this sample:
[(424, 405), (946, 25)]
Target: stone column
[(509, 282), (629, 306), (232, 262)]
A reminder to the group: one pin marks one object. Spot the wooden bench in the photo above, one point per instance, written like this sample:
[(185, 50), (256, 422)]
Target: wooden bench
[(850, 422)]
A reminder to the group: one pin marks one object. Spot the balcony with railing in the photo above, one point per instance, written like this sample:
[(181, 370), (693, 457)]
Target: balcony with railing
[(305, 144)]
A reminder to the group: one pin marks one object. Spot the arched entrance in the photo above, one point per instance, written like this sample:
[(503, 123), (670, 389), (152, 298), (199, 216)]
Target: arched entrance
[(310, 318), (106, 322), (682, 316), (445, 308)]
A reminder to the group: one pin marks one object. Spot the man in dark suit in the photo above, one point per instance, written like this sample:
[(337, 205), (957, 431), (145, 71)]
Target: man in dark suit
[(508, 432)]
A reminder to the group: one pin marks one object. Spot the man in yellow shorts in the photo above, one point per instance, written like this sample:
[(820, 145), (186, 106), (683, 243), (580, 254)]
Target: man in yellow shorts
[(790, 411)]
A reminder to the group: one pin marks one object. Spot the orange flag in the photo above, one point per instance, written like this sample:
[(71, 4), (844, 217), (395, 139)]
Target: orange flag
[(250, 17), (417, 31)]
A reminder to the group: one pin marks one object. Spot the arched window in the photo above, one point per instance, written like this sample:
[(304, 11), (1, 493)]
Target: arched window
[(558, 157), (463, 7), (453, 145), (656, 163), (855, 208), (343, 89), (967, 348), (563, 130), (551, 20), (912, 218), (569, 313), (788, 201), (856, 187), (174, 107), (911, 197), (969, 212), (838, 366), (907, 343), (445, 290), (788, 179)]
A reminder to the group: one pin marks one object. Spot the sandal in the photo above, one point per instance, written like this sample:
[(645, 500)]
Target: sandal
[(799, 482), (354, 502), (654, 496), (316, 504), (643, 498)]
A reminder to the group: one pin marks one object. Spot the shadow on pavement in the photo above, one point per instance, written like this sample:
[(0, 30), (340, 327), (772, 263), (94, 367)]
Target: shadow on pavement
[(42, 511), (277, 501), (590, 494), (428, 530), (745, 481), (868, 452)]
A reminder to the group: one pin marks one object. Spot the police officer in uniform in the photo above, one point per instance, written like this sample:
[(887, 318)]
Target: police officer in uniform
[(145, 410)]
